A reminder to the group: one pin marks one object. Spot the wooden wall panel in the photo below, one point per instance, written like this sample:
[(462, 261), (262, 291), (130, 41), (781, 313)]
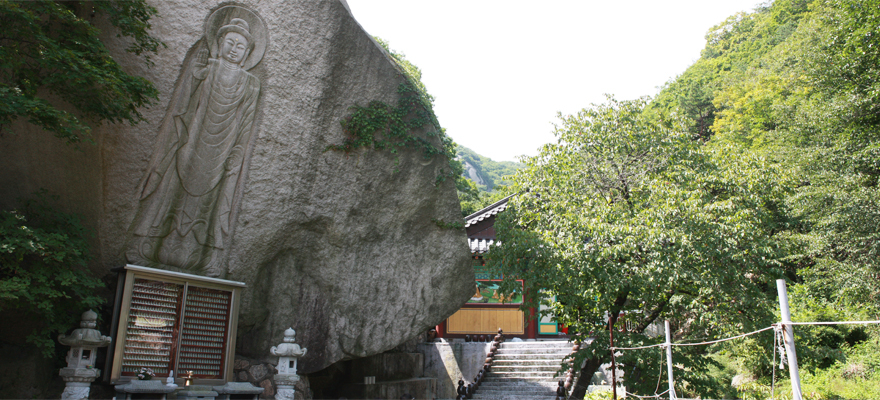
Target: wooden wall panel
[(486, 320)]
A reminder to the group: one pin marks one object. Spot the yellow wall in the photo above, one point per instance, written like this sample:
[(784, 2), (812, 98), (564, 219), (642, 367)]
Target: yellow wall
[(486, 320)]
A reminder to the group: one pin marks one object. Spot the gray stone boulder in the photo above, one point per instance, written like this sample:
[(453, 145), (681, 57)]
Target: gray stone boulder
[(347, 248)]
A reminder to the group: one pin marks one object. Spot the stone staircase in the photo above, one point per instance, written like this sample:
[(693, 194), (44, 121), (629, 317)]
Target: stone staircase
[(524, 370)]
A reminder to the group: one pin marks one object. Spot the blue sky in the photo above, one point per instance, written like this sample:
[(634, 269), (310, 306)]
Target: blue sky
[(501, 70)]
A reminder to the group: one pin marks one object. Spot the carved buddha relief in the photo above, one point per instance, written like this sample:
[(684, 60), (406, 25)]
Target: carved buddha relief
[(189, 195)]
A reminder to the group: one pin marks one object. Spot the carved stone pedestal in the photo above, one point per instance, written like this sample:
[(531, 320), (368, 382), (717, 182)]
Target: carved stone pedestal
[(225, 391), (197, 392), (286, 386), (150, 386), (76, 390)]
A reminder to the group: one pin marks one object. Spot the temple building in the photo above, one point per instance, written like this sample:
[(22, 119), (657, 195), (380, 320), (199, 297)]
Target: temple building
[(489, 309)]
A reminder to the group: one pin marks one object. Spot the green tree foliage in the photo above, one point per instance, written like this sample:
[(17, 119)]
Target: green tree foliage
[(51, 51), (799, 83), (626, 214), (483, 199), (835, 126), (43, 270), (56, 73), (806, 93), (733, 49), (760, 160)]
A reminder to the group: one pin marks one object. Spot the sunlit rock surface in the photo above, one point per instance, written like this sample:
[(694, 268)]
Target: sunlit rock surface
[(345, 248)]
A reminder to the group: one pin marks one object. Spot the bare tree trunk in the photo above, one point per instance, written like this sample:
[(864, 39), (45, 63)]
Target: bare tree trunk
[(583, 381), (592, 364)]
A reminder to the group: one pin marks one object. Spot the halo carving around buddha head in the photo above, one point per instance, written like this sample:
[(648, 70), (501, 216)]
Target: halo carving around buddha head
[(243, 22)]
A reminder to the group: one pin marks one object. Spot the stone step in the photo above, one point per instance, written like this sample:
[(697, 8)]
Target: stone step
[(526, 347), (564, 352), (520, 377), (514, 395), (524, 368), (519, 383), (535, 363), (546, 357), (516, 390), (536, 377), (543, 358), (537, 344), (518, 386)]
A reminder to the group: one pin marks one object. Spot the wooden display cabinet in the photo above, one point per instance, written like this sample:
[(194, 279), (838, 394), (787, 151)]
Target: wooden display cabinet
[(171, 321)]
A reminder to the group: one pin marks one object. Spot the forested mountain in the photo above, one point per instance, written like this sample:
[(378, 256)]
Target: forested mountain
[(798, 83), (488, 179), (483, 171), (761, 161)]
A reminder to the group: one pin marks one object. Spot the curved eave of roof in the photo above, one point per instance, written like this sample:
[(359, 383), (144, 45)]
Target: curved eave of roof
[(487, 212)]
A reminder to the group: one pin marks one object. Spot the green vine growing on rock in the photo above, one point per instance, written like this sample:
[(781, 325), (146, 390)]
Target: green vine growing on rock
[(382, 126), (458, 225)]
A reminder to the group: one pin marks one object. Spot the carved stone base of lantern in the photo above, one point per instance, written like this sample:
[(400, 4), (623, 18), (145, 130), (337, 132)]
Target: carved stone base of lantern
[(79, 374), (286, 379), (285, 392), (76, 390), (77, 382)]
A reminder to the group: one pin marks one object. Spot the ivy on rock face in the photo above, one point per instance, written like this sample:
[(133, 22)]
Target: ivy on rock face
[(384, 127)]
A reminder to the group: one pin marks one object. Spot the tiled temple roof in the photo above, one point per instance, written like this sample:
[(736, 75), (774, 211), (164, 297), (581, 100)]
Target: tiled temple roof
[(482, 236), (487, 212)]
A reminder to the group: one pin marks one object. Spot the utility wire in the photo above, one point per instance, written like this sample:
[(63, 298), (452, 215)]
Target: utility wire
[(654, 396), (696, 344), (776, 326), (831, 323)]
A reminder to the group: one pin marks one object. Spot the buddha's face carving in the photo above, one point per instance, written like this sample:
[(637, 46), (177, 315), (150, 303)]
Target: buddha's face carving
[(234, 47)]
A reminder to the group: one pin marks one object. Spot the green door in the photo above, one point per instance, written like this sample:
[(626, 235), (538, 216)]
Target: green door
[(546, 323)]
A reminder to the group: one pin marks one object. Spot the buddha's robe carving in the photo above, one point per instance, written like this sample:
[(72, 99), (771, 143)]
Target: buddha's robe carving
[(184, 218)]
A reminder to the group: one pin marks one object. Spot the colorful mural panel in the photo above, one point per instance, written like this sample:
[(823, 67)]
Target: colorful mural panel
[(488, 292)]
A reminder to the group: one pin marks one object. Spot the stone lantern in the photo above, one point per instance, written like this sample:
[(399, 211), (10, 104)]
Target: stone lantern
[(80, 370), (287, 352)]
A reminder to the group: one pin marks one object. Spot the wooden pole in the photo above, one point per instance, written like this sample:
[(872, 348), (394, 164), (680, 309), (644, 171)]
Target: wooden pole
[(788, 336), (613, 366), (672, 395)]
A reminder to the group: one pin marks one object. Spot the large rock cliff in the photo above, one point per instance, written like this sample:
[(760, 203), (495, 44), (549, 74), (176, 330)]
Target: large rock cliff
[(344, 247)]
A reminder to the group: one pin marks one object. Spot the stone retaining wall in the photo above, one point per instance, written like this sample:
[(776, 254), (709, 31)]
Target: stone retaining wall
[(450, 362)]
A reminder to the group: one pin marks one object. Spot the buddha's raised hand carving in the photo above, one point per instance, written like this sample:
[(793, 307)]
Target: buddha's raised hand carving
[(188, 198)]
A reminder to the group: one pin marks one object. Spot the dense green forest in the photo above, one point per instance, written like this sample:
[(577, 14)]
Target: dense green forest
[(487, 179), (759, 162), (488, 173)]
